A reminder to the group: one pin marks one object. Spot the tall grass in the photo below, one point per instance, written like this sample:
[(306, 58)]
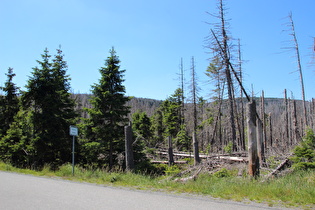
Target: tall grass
[(295, 189)]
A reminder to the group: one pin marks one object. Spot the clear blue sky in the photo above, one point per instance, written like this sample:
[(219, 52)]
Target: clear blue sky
[(150, 38)]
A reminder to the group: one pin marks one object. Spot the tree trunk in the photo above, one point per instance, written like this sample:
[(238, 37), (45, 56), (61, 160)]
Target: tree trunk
[(225, 52), (296, 132), (286, 118), (299, 68), (260, 142), (263, 120), (253, 160), (242, 129), (170, 152), (270, 132), (194, 97), (196, 150), (128, 148)]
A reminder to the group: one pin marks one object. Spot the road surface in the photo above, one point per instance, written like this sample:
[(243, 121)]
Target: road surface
[(18, 191)]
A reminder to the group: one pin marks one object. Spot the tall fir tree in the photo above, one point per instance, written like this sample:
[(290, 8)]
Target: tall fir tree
[(109, 113), (52, 108), (10, 141), (172, 120), (141, 126), (9, 102)]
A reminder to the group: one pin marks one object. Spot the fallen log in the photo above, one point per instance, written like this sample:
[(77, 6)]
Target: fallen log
[(236, 159), (193, 177), (280, 167), (166, 162)]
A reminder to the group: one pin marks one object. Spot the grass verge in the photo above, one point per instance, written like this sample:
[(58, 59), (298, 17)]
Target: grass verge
[(294, 190)]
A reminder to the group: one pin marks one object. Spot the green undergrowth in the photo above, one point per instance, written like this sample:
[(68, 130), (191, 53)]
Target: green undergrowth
[(295, 189)]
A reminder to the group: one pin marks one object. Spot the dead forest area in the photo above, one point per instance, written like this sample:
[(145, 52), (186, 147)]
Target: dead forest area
[(282, 129)]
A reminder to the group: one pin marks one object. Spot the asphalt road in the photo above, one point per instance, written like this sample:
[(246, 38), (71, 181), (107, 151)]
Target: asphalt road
[(27, 192)]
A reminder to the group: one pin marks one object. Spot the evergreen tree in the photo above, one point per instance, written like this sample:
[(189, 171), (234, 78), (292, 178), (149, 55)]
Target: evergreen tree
[(304, 153), (108, 116), (9, 103), (157, 127), (15, 147), (141, 126), (52, 110), (172, 120)]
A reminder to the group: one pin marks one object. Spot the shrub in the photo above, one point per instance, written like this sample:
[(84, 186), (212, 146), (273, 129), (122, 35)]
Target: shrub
[(304, 154), (228, 148), (222, 173)]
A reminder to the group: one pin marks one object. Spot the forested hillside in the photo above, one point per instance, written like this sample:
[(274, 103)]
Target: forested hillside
[(283, 122)]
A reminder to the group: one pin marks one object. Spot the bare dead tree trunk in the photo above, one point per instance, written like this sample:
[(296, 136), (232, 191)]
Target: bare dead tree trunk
[(260, 142), (295, 124), (270, 132), (196, 149), (263, 120), (253, 160), (286, 117), (182, 110), (225, 53), (296, 47), (194, 97), (237, 119), (170, 152), (242, 129), (128, 148)]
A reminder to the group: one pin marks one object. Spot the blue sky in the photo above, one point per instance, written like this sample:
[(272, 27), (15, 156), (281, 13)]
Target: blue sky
[(151, 37)]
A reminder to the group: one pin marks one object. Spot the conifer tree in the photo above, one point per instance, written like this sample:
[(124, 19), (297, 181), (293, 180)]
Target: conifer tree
[(9, 105), (109, 113), (157, 127), (172, 120), (141, 126), (10, 138), (52, 110)]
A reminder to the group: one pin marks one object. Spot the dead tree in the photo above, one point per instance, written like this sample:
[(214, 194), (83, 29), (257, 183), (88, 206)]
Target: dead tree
[(170, 152), (214, 72), (296, 132), (297, 52), (194, 92), (242, 126), (223, 49), (128, 148), (263, 120), (253, 159), (182, 109), (270, 131), (286, 117)]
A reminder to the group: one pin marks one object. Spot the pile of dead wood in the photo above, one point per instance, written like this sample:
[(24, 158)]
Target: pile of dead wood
[(215, 163)]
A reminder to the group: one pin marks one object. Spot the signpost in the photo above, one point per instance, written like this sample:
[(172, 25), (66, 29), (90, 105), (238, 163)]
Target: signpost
[(73, 132)]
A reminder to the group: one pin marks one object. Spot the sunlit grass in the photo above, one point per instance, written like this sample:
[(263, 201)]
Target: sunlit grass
[(296, 189)]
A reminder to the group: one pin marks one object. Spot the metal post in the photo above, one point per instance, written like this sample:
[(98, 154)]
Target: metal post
[(73, 138)]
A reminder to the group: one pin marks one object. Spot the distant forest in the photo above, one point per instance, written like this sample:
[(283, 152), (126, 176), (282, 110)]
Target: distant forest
[(284, 125)]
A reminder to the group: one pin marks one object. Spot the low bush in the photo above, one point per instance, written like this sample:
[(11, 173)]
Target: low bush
[(304, 154)]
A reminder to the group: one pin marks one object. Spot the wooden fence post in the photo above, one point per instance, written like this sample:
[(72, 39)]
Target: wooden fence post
[(128, 148), (170, 152), (196, 149), (260, 141), (253, 160)]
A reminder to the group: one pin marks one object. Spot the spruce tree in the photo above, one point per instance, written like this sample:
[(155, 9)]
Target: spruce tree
[(52, 110), (11, 145), (141, 126), (109, 113), (9, 105), (172, 120)]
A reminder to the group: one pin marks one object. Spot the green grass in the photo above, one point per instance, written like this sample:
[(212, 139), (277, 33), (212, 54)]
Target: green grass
[(296, 189)]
